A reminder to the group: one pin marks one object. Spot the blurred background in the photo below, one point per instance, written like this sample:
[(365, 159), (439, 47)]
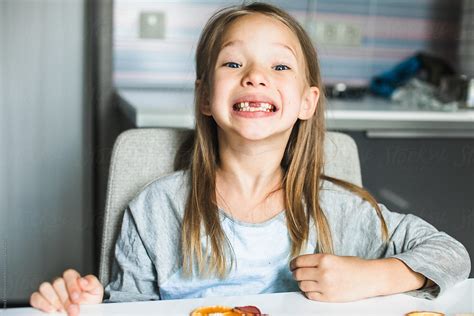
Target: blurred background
[(74, 74)]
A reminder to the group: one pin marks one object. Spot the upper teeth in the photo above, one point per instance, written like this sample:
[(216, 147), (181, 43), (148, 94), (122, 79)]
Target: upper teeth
[(245, 106)]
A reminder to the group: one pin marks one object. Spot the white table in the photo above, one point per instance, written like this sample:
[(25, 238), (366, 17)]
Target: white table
[(458, 300)]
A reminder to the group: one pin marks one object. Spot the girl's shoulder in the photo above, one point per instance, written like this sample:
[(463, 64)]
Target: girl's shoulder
[(336, 198), (332, 190), (175, 180), (166, 192)]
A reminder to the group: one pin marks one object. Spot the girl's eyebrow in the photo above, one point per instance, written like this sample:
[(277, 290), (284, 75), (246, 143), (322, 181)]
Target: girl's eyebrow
[(239, 42), (286, 47)]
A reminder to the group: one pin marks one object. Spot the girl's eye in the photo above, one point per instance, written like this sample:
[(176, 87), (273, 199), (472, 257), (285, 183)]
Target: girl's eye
[(231, 64), (281, 67)]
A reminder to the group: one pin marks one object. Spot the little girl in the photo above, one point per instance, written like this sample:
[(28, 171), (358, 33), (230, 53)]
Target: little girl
[(253, 212)]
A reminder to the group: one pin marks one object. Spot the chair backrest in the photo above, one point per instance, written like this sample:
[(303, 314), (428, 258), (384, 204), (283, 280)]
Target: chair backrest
[(142, 155)]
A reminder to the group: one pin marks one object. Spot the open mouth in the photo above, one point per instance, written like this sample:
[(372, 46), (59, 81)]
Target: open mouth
[(254, 107)]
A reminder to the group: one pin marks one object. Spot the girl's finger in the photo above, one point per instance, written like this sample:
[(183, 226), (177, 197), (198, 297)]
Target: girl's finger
[(38, 301), (73, 310), (306, 274), (74, 291), (309, 286), (315, 296), (48, 293), (91, 284), (60, 287), (305, 261)]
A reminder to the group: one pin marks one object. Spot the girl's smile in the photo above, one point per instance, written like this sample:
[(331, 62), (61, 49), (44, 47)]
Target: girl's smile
[(254, 106)]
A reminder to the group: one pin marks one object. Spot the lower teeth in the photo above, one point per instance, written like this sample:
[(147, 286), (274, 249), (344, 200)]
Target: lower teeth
[(257, 110)]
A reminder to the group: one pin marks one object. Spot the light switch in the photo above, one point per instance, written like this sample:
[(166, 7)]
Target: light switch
[(152, 25)]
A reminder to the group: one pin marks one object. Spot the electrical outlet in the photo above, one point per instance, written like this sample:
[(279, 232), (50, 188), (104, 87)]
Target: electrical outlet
[(337, 34), (152, 25), (349, 35), (325, 33)]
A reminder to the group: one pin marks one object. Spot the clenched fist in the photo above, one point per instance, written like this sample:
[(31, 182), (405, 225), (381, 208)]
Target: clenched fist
[(330, 278)]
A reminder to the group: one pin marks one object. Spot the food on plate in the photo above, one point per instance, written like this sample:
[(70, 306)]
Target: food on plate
[(248, 310), (417, 313), (226, 311), (206, 310)]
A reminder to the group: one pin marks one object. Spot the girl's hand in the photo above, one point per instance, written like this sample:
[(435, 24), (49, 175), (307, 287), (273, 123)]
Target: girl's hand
[(330, 278), (67, 293)]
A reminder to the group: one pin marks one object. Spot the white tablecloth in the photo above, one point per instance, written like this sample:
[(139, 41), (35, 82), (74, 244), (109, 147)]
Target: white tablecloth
[(458, 300)]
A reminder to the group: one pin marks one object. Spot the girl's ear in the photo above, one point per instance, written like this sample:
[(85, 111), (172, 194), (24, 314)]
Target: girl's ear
[(309, 103), (205, 107)]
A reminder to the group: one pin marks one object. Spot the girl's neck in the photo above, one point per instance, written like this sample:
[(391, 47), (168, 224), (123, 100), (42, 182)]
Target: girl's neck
[(249, 178), (251, 169)]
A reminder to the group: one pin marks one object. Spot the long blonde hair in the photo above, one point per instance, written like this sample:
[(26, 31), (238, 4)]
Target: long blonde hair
[(302, 161)]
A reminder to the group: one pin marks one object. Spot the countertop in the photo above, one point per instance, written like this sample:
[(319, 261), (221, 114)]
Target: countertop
[(456, 301), (378, 117)]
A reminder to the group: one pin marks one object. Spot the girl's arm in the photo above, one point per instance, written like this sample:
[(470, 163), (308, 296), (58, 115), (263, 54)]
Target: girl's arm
[(331, 278), (396, 277), (420, 249), (363, 266), (133, 272)]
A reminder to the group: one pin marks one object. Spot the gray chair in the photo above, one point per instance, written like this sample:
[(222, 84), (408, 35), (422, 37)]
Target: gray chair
[(142, 155)]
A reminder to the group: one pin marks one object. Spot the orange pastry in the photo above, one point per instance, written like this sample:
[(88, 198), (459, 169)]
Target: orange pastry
[(226, 311), (416, 313), (206, 310)]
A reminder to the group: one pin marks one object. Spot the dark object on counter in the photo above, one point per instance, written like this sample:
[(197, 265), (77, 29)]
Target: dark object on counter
[(386, 83), (458, 88), (433, 69), (423, 66), (343, 91)]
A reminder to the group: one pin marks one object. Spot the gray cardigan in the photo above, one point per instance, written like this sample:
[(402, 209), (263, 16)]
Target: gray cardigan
[(147, 251)]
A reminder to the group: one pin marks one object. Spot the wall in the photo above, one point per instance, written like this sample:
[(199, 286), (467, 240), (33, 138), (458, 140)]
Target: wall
[(45, 156), (3, 167), (466, 49), (389, 32)]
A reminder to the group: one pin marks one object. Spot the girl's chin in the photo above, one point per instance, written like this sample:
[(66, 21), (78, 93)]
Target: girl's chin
[(259, 136), (253, 131), (245, 135)]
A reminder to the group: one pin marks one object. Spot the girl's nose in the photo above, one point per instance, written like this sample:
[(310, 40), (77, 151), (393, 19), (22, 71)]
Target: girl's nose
[(254, 77)]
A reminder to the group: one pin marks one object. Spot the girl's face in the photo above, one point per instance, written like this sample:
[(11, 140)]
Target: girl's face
[(259, 88)]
